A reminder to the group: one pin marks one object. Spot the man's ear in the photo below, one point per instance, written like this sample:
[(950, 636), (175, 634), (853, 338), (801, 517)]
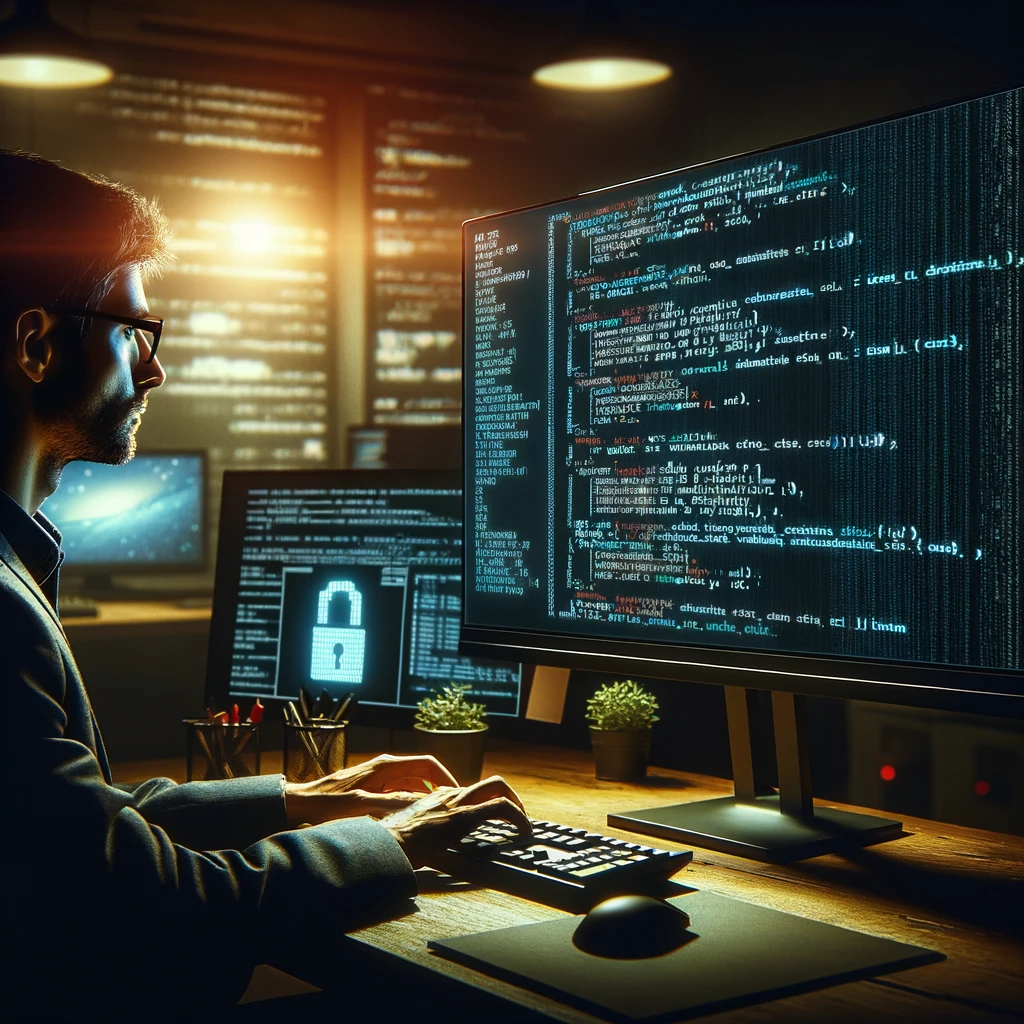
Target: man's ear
[(34, 350)]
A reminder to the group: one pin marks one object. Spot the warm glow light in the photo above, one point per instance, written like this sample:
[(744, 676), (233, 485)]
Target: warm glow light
[(596, 74), (887, 772), (40, 71), (253, 236), (211, 322)]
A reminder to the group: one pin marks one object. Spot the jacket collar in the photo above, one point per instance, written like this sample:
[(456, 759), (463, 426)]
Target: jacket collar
[(15, 564), (35, 540)]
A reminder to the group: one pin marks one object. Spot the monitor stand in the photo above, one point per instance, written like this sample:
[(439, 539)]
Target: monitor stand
[(757, 822)]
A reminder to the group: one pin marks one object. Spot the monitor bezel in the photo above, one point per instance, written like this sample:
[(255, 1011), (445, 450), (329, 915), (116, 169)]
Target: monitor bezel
[(915, 684), (229, 549), (73, 570)]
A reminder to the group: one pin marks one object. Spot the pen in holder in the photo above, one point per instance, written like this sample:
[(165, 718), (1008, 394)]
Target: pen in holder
[(217, 751), (314, 749)]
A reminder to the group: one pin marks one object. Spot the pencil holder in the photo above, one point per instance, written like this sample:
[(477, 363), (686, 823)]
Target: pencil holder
[(216, 751), (314, 750)]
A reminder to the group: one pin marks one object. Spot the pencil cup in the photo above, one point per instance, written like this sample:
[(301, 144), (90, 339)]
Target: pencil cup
[(314, 750), (216, 751)]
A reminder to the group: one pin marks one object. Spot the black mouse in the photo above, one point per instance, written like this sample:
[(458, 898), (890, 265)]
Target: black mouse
[(631, 928)]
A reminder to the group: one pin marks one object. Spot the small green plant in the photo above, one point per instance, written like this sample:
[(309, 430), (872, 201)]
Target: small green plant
[(621, 705), (449, 710)]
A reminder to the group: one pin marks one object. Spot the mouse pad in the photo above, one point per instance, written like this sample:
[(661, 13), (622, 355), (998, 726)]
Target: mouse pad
[(740, 954)]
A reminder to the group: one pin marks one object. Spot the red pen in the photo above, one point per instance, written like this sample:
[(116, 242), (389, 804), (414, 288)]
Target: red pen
[(234, 714)]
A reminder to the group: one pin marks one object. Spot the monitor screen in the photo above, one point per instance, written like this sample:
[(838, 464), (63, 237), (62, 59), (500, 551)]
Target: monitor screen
[(367, 447), (759, 421), (146, 515), (405, 447), (345, 580)]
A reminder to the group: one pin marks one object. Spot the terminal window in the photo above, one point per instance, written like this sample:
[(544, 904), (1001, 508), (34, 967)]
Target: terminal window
[(772, 403)]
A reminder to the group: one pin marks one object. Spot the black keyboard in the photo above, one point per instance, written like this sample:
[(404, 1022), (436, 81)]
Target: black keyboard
[(561, 866)]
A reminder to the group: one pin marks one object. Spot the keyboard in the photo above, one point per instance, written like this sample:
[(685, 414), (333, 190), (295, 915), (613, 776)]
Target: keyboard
[(561, 866), (75, 606)]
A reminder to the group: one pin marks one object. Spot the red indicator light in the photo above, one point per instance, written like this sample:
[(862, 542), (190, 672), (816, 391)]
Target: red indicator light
[(887, 772), (983, 787)]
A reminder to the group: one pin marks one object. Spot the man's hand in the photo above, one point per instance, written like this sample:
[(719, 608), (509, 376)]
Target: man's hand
[(376, 787), (426, 828), (388, 772)]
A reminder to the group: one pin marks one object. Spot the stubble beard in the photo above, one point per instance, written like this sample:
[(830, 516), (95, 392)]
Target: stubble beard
[(88, 428), (104, 432)]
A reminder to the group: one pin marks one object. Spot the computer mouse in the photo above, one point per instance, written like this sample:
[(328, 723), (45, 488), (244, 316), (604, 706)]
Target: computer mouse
[(631, 928)]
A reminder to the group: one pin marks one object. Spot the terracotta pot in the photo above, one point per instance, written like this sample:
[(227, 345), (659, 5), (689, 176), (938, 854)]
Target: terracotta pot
[(461, 751), (620, 755)]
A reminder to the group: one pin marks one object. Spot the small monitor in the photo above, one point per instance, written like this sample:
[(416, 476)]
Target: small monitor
[(345, 580), (405, 447), (368, 447), (146, 516)]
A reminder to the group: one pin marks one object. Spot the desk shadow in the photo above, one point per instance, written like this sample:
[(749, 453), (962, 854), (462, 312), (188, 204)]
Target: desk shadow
[(661, 782), (995, 902)]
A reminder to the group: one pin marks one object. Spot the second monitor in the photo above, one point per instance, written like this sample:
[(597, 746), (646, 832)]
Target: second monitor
[(345, 581), (143, 519)]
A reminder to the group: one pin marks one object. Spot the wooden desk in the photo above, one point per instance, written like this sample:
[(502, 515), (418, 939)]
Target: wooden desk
[(946, 887), (119, 619)]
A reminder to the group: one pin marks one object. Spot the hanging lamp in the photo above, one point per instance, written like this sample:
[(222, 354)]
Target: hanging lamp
[(36, 53)]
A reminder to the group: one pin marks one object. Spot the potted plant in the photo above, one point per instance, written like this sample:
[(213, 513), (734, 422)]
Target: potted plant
[(453, 730), (622, 713)]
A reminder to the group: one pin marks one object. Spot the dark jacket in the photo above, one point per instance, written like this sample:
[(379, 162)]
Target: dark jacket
[(158, 899)]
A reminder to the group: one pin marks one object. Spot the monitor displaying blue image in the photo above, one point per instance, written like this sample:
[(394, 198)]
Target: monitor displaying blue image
[(149, 513)]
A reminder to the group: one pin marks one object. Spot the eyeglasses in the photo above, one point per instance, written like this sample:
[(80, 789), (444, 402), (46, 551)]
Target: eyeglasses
[(151, 328)]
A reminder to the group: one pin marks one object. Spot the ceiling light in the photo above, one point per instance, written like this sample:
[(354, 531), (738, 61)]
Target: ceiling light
[(35, 53), (601, 73)]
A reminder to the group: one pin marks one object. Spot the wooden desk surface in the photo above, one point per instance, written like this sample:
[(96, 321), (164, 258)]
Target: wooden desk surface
[(122, 618), (949, 888)]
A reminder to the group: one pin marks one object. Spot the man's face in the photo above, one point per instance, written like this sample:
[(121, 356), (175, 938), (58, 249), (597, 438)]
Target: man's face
[(93, 408)]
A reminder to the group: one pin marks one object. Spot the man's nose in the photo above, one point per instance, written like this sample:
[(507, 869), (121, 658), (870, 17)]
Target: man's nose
[(151, 374)]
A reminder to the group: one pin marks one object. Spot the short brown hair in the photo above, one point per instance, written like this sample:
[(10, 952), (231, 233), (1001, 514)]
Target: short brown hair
[(65, 235)]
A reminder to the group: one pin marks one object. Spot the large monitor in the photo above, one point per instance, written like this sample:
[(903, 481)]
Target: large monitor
[(146, 517), (345, 580), (759, 422)]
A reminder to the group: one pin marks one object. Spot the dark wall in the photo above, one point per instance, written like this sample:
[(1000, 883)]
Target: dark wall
[(750, 76)]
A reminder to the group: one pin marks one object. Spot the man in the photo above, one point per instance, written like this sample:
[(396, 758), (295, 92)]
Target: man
[(156, 899)]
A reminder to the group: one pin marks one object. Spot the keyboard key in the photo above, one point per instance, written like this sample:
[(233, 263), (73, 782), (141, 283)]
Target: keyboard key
[(591, 869), (557, 867)]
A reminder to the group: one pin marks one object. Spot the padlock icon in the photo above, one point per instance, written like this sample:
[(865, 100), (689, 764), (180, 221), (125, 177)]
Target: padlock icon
[(338, 653)]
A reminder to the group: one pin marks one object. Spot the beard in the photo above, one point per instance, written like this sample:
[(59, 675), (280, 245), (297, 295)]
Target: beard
[(107, 430), (81, 425)]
